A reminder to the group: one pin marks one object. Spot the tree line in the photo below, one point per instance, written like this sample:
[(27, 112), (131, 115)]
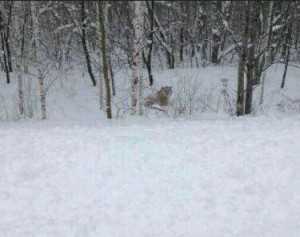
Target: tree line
[(39, 36)]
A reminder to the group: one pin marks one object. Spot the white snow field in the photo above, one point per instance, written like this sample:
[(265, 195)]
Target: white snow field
[(211, 178), (205, 175)]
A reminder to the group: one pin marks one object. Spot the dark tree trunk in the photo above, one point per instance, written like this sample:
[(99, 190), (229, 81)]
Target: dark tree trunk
[(84, 44), (169, 53), (148, 60), (181, 34), (149, 69), (204, 36), (215, 48), (9, 63), (286, 62), (249, 91), (170, 58), (6, 68), (181, 44), (112, 78), (242, 62), (286, 51), (252, 69)]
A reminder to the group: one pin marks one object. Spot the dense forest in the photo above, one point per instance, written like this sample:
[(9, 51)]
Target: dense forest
[(41, 36)]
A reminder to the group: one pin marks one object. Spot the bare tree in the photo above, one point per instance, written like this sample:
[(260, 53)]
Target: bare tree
[(84, 43), (105, 65), (251, 64), (100, 81), (4, 42), (36, 37), (137, 80), (287, 41), (148, 56), (19, 60), (242, 62)]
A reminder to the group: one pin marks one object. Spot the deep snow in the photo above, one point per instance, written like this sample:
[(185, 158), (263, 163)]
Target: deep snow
[(204, 175), (235, 177)]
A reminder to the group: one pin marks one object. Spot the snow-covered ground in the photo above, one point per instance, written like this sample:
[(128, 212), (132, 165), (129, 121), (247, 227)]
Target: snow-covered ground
[(198, 91), (201, 175), (234, 177)]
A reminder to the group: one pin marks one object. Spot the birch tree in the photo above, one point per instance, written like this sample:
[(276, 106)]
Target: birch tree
[(98, 29), (105, 66), (36, 38), (137, 80), (19, 60), (266, 56)]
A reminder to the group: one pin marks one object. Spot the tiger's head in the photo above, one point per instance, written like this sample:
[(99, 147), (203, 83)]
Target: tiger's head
[(166, 90)]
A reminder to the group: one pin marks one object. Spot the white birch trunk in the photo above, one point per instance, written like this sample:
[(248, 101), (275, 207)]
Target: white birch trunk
[(19, 63), (137, 79), (36, 32), (101, 88), (267, 56), (105, 60)]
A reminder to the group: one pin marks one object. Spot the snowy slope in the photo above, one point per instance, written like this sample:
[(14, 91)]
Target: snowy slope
[(208, 178)]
